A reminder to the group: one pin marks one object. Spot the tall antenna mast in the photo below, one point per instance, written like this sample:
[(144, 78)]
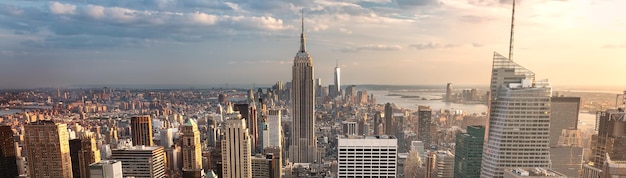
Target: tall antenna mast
[(512, 27)]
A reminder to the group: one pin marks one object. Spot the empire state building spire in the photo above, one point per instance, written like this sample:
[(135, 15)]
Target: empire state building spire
[(303, 143), (302, 38)]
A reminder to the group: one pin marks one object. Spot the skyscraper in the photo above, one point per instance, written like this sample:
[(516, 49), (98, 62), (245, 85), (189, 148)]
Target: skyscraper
[(468, 152), (424, 114), (518, 131), (608, 146), (141, 128), (337, 78), (236, 150), (83, 152), (141, 161), (274, 128), (378, 124), (449, 92), (390, 126), (303, 148), (441, 164), (563, 115), (8, 153), (48, 154), (192, 150), (248, 112)]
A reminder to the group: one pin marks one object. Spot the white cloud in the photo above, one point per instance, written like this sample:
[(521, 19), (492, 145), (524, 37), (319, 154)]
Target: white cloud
[(269, 23), (61, 9), (202, 18), (346, 31)]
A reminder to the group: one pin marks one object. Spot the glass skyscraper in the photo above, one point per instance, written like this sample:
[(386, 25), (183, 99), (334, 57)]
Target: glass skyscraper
[(518, 130), (468, 152)]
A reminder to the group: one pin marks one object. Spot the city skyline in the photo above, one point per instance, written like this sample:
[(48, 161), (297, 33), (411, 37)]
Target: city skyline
[(65, 43)]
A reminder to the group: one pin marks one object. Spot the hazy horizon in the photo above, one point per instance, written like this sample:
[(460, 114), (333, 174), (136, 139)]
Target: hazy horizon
[(398, 42)]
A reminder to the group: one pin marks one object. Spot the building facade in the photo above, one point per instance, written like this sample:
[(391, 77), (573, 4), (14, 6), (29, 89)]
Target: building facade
[(303, 143), (424, 117), (83, 152), (106, 169), (275, 129), (8, 153), (442, 165), (518, 130), (563, 115), (141, 129), (468, 152), (390, 124), (47, 149), (141, 161), (191, 150), (236, 150), (367, 156), (608, 146)]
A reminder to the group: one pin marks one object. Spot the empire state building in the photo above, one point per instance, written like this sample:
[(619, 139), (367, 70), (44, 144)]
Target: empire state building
[(303, 147)]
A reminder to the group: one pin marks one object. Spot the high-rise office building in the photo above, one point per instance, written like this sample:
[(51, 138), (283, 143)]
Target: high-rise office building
[(338, 78), (141, 161), (106, 169), (83, 152), (47, 149), (378, 124), (191, 150), (518, 130), (367, 156), (265, 166), (449, 92), (248, 112), (349, 128), (236, 150), (364, 127), (608, 145), (468, 152), (167, 137), (303, 143), (141, 129), (277, 161), (275, 131), (563, 115), (424, 119), (318, 87), (390, 124), (8, 153), (441, 164)]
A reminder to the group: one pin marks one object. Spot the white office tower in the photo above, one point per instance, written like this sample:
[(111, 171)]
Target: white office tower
[(338, 78), (518, 131), (141, 161), (106, 169), (275, 129), (367, 156), (236, 151), (167, 137)]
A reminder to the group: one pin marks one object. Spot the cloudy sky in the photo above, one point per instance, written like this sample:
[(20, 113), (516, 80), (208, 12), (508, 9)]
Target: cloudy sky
[(200, 42)]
